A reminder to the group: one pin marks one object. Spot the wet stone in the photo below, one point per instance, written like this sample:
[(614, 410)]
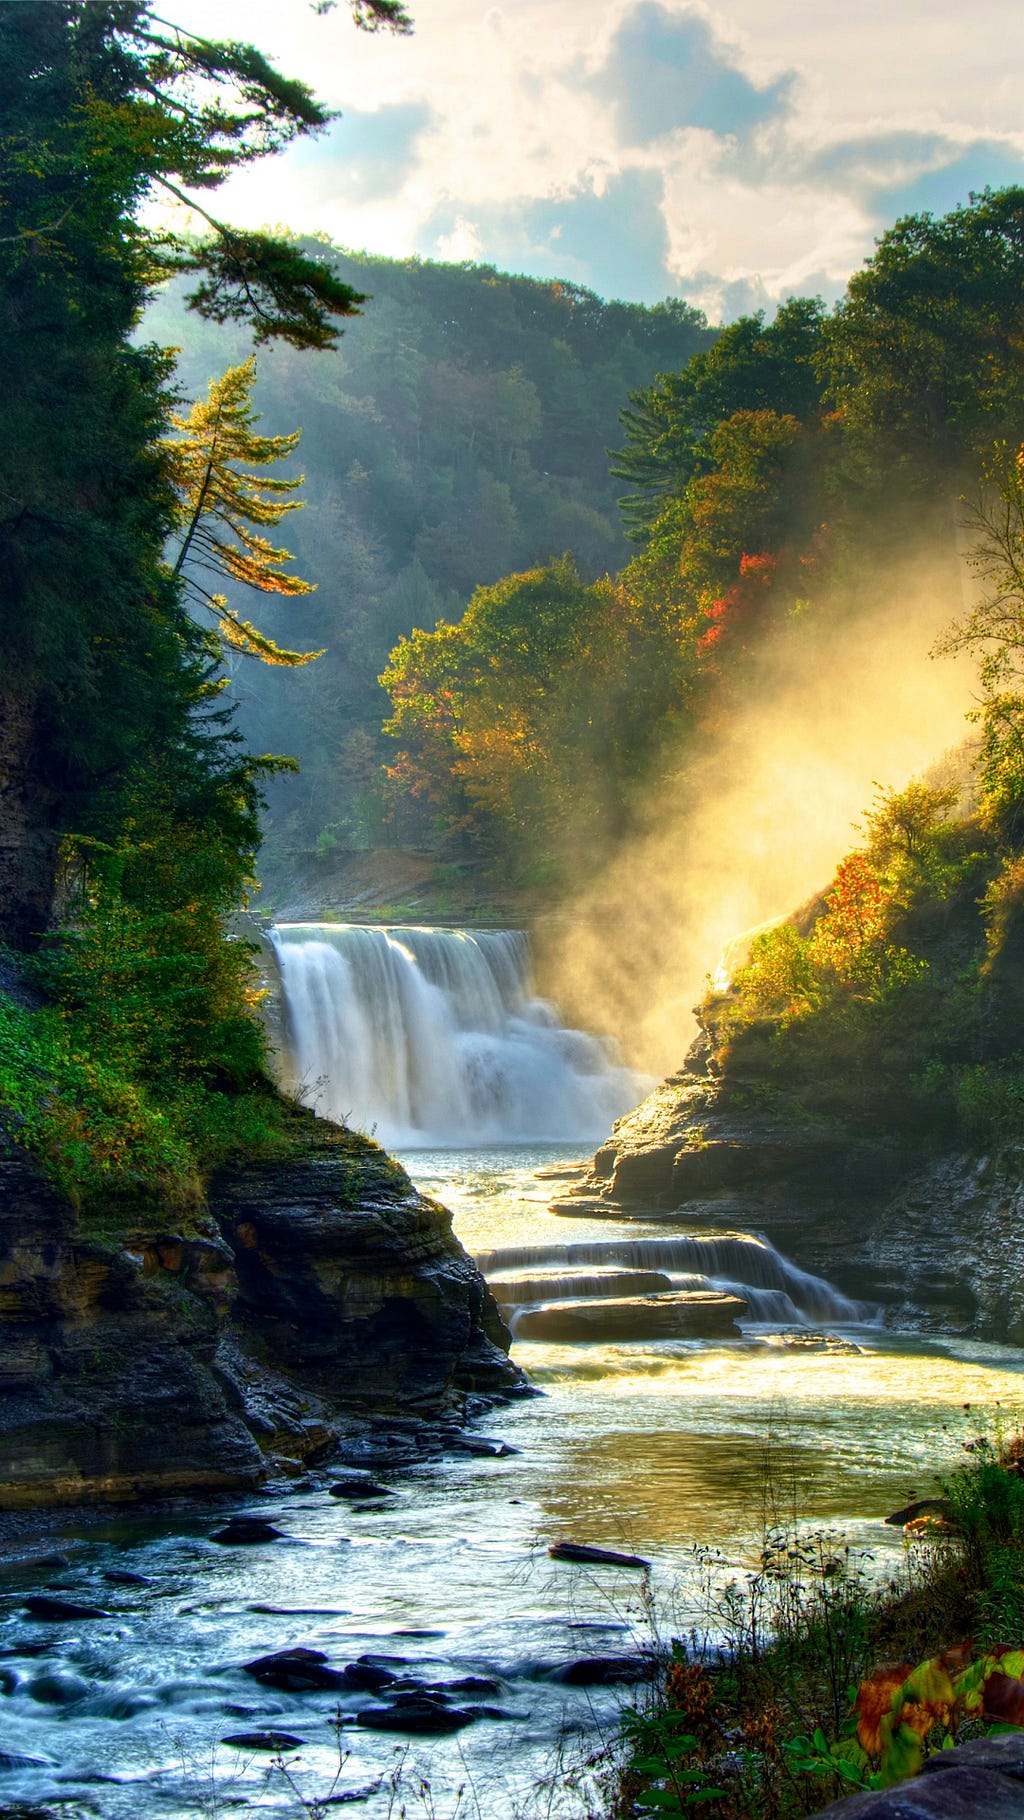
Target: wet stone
[(589, 1556), (246, 1531), (359, 1488), (57, 1689), (367, 1677), (296, 1671), (12, 1760), (55, 1611), (272, 1741), (605, 1671), (420, 1715)]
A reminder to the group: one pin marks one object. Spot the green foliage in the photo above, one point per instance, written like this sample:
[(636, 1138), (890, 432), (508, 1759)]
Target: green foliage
[(923, 354), (772, 480), (897, 1003), (994, 631), (458, 435), (670, 425), (143, 1069), (527, 719)]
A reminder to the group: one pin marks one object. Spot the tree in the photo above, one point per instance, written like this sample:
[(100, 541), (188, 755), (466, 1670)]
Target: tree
[(210, 465), (532, 719), (670, 425), (101, 102), (924, 350), (994, 630)]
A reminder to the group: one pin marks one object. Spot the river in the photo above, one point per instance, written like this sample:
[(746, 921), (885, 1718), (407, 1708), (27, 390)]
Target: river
[(654, 1447)]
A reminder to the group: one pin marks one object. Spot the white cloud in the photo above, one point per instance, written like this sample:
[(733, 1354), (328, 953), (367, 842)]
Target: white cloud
[(741, 149)]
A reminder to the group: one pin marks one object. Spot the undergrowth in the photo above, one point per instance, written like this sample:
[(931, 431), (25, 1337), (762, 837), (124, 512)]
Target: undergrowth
[(807, 1679)]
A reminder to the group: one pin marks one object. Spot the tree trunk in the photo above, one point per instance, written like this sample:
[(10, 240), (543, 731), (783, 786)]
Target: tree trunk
[(29, 838)]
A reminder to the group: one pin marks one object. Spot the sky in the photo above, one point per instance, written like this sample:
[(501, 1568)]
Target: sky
[(730, 152)]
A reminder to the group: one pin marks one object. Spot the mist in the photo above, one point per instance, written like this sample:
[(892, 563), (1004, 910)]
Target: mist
[(753, 824)]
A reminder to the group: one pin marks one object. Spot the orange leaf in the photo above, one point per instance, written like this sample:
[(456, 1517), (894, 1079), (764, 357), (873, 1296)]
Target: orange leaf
[(874, 1700)]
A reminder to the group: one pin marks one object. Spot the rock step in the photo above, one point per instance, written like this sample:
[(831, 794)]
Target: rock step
[(558, 1284), (683, 1314)]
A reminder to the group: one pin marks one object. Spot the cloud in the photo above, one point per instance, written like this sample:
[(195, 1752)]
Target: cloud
[(979, 165), (667, 70), (370, 153), (733, 152), (615, 242)]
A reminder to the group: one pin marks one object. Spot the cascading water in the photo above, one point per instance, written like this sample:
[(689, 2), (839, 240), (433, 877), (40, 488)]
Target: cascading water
[(774, 1289), (434, 1036)]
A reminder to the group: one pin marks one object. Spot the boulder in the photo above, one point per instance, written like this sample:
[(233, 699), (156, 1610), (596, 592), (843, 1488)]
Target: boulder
[(318, 1291)]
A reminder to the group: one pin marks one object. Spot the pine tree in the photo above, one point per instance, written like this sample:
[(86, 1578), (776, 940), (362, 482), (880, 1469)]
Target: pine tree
[(223, 504), (103, 669)]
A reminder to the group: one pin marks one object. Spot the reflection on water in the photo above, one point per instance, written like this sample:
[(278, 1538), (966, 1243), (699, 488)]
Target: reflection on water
[(655, 1446)]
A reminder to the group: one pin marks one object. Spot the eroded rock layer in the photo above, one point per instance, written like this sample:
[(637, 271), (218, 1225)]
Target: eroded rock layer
[(137, 1360), (936, 1239)]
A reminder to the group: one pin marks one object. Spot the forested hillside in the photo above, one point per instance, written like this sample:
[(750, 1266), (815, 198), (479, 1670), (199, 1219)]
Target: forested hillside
[(459, 432), (787, 481)]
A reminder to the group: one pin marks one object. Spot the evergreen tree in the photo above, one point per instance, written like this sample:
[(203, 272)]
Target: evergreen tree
[(219, 499), (100, 102)]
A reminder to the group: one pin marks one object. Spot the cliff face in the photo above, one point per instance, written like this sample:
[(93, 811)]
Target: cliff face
[(938, 1240), (318, 1293)]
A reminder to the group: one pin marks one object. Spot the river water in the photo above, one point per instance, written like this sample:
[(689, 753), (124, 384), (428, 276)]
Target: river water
[(658, 1448)]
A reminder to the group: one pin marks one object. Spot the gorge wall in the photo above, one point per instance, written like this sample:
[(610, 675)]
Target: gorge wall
[(317, 1294), (935, 1238)]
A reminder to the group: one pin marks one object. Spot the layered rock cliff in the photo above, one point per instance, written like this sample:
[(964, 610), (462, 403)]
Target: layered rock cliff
[(937, 1238), (315, 1294)]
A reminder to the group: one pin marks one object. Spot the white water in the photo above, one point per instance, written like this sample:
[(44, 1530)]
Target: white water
[(434, 1036), (774, 1289)]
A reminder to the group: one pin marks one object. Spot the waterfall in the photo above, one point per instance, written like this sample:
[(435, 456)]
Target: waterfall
[(775, 1289), (433, 1036)]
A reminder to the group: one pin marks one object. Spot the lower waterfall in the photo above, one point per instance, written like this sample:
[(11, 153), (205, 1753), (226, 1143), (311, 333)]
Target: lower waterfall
[(774, 1288), (433, 1036)]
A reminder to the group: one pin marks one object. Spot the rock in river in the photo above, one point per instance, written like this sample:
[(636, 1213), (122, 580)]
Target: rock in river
[(424, 1714), (55, 1611), (245, 1531), (297, 1670), (359, 1488), (606, 1671), (705, 1314), (275, 1741), (594, 1557)]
